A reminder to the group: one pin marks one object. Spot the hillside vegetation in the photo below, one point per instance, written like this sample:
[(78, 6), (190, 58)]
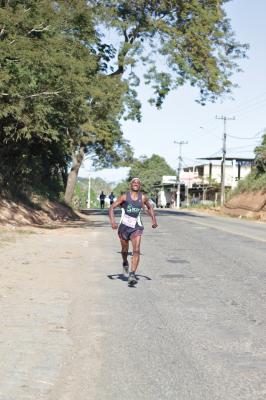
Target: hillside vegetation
[(256, 180), (249, 198), (97, 185), (251, 183), (150, 171)]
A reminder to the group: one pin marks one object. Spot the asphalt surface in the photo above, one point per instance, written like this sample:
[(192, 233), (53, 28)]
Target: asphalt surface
[(193, 328)]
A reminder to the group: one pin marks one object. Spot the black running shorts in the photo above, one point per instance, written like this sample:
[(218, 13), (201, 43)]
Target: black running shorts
[(127, 233)]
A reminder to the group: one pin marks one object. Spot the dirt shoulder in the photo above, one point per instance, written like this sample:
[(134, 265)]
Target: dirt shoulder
[(248, 204), (43, 271), (35, 213)]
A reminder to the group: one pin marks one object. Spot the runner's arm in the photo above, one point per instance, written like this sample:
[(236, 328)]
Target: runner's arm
[(150, 211), (115, 204)]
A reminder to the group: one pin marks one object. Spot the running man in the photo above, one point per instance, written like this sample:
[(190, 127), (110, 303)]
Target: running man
[(102, 200), (111, 198), (131, 227)]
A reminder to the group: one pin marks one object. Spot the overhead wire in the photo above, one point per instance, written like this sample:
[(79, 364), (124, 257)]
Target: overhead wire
[(248, 138), (249, 103), (246, 106), (252, 109), (212, 127), (240, 147)]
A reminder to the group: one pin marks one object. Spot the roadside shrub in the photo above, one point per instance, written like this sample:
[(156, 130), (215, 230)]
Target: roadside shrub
[(252, 182)]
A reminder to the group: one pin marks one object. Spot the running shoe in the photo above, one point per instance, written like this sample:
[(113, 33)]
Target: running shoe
[(132, 279), (125, 268)]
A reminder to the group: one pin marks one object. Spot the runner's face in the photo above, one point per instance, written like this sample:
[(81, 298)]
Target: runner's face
[(135, 185)]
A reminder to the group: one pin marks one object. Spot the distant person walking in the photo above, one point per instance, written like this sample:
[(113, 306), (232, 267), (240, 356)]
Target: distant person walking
[(131, 227), (111, 198), (102, 200)]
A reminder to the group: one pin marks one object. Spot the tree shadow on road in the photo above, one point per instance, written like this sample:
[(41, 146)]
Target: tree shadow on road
[(95, 211), (81, 224)]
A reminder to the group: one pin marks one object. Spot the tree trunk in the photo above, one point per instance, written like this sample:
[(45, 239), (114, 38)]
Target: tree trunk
[(77, 159)]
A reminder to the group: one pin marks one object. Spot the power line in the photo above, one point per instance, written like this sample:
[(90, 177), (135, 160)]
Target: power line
[(242, 147), (241, 104), (245, 105), (250, 104), (242, 107), (248, 138)]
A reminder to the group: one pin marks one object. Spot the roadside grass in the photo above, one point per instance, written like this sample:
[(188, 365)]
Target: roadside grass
[(205, 206), (20, 231), (25, 232)]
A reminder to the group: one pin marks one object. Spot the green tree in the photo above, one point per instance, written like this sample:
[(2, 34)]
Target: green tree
[(193, 37), (64, 88), (149, 171), (81, 193), (57, 103), (260, 156), (97, 185), (256, 180), (121, 187)]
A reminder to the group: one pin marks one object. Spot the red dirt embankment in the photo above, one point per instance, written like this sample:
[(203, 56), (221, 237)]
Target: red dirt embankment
[(247, 204), (17, 213)]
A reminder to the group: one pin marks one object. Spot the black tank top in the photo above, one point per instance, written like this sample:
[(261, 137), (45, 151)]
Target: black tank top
[(131, 210)]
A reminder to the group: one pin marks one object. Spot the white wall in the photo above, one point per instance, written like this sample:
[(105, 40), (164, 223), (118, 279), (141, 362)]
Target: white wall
[(231, 175)]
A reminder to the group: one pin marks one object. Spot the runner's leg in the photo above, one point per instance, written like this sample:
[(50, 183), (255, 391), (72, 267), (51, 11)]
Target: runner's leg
[(124, 250), (136, 252)]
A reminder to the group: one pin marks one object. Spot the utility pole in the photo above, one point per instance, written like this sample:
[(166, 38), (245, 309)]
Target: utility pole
[(89, 192), (180, 143), (223, 158)]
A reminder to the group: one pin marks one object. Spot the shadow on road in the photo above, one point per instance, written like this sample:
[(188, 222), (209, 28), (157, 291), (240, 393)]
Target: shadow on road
[(129, 253), (95, 211), (124, 278), (75, 224)]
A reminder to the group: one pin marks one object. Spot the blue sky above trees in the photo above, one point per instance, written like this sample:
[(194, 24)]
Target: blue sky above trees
[(182, 118)]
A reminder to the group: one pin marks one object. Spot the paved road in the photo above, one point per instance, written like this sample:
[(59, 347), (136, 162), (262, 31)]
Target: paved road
[(194, 328)]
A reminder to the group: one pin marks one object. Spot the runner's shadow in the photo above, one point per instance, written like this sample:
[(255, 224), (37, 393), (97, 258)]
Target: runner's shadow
[(140, 277), (121, 277), (124, 278)]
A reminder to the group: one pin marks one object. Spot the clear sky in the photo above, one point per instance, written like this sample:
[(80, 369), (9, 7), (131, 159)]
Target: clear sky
[(181, 118)]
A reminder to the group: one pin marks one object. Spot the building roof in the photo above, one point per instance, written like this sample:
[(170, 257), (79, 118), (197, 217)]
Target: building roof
[(217, 158)]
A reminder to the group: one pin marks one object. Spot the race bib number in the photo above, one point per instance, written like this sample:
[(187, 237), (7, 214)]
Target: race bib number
[(129, 221)]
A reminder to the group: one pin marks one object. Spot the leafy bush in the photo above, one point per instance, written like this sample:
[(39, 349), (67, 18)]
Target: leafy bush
[(253, 181)]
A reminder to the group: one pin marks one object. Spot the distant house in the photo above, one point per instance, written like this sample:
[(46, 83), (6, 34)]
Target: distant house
[(202, 182), (205, 174)]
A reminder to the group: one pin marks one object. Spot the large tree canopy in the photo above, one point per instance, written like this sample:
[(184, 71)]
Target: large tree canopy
[(178, 41), (68, 76), (55, 96)]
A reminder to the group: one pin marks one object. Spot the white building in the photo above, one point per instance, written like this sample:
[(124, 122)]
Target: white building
[(235, 169)]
